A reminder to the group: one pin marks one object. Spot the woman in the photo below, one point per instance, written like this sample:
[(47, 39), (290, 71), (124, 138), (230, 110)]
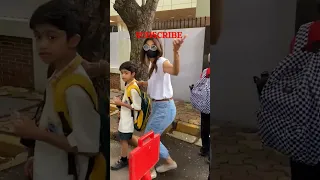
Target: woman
[(161, 92)]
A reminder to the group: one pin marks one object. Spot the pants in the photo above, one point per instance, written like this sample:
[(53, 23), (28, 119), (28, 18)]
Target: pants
[(162, 115), (300, 171), (205, 132)]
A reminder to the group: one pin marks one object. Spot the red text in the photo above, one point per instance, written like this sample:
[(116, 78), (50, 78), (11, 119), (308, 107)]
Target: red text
[(158, 35)]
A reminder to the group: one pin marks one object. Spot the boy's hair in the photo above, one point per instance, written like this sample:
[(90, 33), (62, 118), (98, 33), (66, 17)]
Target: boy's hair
[(129, 66), (58, 13)]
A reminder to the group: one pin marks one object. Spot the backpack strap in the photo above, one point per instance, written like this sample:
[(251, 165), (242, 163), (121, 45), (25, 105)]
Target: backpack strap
[(61, 107), (128, 93)]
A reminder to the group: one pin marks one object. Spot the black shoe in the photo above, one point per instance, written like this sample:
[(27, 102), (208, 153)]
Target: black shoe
[(119, 165)]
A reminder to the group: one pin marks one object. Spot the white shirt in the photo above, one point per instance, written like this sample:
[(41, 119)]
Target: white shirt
[(126, 124), (50, 162), (159, 84)]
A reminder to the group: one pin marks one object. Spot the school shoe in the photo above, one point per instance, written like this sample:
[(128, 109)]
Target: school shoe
[(153, 174), (166, 167), (119, 165)]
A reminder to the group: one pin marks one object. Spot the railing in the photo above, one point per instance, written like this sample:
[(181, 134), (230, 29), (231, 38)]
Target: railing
[(175, 24), (181, 23)]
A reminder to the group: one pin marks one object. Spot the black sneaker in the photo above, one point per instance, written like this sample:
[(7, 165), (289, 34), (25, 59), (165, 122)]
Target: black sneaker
[(119, 165)]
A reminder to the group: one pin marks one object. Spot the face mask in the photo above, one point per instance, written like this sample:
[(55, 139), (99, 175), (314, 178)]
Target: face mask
[(152, 54)]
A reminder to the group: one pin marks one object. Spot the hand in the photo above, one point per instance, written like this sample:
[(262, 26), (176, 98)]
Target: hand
[(25, 128), (178, 42), (117, 101), (28, 168), (140, 83)]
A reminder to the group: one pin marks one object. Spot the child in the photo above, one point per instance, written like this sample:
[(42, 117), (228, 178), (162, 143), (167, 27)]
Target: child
[(128, 105), (56, 32)]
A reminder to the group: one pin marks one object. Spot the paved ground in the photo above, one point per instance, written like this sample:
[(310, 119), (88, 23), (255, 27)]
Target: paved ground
[(238, 155), (191, 166)]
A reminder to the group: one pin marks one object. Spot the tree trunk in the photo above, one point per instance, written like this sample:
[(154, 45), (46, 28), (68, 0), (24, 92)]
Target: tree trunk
[(94, 45), (137, 19)]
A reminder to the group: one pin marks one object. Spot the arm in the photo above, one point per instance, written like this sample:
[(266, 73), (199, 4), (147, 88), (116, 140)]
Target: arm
[(86, 125), (136, 101), (174, 68)]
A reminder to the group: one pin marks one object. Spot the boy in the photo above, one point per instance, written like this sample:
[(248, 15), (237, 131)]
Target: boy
[(128, 105), (56, 32)]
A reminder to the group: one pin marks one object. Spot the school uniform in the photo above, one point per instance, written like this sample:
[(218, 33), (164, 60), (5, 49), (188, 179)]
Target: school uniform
[(50, 162)]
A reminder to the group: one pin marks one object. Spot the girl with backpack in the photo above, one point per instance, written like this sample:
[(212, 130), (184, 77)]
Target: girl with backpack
[(160, 90)]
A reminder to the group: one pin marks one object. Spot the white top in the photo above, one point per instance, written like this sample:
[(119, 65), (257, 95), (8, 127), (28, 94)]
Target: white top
[(50, 162), (126, 124), (159, 84)]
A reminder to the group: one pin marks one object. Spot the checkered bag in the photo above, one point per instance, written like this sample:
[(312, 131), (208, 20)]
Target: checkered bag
[(200, 93), (289, 116)]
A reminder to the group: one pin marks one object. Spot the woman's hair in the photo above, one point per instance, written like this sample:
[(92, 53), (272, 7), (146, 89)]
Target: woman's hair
[(143, 57)]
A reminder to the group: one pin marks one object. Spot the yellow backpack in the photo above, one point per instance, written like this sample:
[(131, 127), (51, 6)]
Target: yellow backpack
[(97, 168), (143, 115)]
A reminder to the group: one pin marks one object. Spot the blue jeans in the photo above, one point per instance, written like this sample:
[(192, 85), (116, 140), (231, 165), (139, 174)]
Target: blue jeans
[(162, 115)]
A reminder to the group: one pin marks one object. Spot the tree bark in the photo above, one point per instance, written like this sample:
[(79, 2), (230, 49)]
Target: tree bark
[(137, 19), (94, 45)]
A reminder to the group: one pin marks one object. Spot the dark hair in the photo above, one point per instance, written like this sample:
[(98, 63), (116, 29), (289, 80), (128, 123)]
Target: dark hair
[(58, 13), (129, 66), (143, 57)]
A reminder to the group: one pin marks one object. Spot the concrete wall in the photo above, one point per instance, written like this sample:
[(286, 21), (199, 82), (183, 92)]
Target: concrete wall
[(203, 8), (255, 37)]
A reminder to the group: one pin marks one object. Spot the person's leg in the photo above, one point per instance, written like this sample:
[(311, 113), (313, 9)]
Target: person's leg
[(301, 171), (168, 114), (134, 140), (205, 133), (123, 161)]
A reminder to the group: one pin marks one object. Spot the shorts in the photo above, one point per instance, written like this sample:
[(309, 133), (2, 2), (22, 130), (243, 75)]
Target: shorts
[(125, 136)]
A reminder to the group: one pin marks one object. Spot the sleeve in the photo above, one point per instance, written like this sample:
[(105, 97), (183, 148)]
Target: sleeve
[(85, 121), (136, 100)]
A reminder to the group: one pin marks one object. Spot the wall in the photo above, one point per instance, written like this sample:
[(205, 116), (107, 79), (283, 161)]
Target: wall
[(203, 8), (19, 8), (191, 54), (255, 37), (16, 62), (15, 27)]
